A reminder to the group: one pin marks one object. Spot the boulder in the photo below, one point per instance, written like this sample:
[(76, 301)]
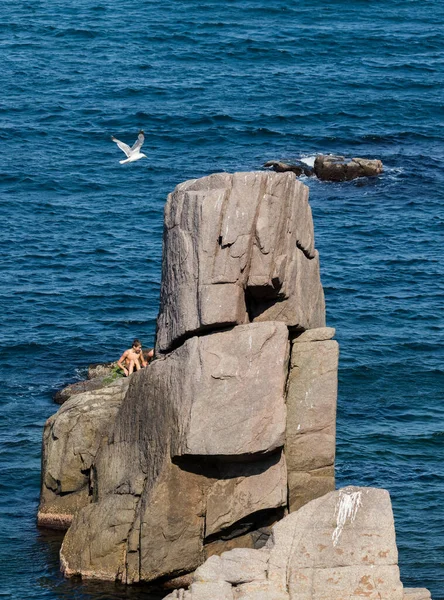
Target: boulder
[(71, 440), (341, 545), (311, 417), (231, 240), (226, 408), (319, 334), (416, 594), (241, 565), (244, 489), (337, 168)]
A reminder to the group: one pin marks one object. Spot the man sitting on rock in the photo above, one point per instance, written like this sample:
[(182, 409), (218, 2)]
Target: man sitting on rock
[(133, 359)]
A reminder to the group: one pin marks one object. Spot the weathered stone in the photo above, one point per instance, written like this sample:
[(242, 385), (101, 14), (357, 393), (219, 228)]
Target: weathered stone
[(311, 417), (237, 566), (185, 399), (227, 409), (305, 305), (244, 489), (175, 583), (214, 590), (254, 538), (233, 239), (416, 594), (338, 545), (172, 524), (180, 594), (160, 532), (310, 451), (319, 334), (80, 387), (353, 583), (304, 486), (260, 590), (337, 168), (71, 440), (95, 546)]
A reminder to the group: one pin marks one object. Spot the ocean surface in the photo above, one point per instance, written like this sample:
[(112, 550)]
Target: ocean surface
[(221, 86)]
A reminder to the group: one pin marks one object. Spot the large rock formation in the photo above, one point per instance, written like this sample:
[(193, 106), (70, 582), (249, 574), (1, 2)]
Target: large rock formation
[(233, 424), (191, 461)]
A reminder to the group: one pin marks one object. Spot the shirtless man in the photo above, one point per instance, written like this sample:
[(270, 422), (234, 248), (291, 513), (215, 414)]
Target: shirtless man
[(132, 359)]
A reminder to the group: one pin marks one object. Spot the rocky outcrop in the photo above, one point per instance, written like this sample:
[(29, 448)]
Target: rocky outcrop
[(329, 167), (339, 546), (80, 387), (200, 405), (338, 168), (99, 376), (71, 439)]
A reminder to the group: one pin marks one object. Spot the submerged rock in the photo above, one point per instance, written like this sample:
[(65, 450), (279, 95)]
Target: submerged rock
[(282, 167)]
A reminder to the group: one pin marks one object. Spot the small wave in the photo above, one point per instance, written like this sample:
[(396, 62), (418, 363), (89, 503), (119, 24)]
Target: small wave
[(308, 160)]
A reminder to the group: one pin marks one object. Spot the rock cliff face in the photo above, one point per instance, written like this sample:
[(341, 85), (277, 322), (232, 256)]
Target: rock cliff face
[(232, 426)]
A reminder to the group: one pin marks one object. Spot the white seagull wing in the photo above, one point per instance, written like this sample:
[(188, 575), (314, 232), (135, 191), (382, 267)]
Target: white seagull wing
[(124, 147), (138, 145)]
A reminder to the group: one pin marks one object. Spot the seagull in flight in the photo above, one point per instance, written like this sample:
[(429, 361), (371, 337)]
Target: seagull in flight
[(132, 153)]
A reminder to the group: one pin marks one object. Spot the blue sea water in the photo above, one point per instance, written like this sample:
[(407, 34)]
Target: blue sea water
[(221, 85)]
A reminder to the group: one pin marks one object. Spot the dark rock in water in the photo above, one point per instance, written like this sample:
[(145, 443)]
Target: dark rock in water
[(281, 167), (331, 168), (338, 168)]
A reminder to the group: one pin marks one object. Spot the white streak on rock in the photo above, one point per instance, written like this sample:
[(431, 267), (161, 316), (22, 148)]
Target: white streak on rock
[(346, 508)]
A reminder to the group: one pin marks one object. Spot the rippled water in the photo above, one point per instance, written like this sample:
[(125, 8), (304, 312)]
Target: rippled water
[(221, 86)]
